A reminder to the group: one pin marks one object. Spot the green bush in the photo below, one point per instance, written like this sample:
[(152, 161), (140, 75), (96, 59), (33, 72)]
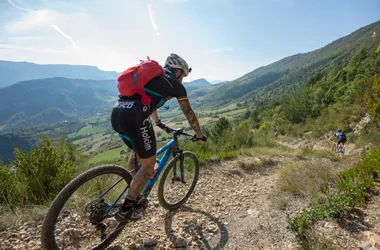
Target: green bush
[(38, 175), (227, 155), (308, 151), (351, 191), (306, 179), (9, 192)]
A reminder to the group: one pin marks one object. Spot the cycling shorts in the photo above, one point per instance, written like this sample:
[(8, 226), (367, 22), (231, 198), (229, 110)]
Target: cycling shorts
[(132, 119)]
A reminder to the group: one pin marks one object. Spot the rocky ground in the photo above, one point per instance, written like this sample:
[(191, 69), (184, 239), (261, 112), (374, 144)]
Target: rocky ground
[(358, 229), (230, 209)]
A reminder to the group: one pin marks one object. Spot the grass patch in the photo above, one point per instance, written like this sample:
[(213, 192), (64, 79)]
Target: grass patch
[(257, 166), (306, 179), (90, 129), (229, 155), (207, 157), (309, 152), (279, 201), (269, 151), (109, 156), (12, 217), (351, 190)]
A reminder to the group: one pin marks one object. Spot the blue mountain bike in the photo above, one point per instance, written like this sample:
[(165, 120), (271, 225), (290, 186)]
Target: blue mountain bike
[(82, 214)]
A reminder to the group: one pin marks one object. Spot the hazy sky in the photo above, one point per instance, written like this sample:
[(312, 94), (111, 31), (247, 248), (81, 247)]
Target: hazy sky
[(220, 39)]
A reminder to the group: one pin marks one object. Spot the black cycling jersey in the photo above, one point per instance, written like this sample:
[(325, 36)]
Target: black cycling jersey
[(131, 118), (162, 88)]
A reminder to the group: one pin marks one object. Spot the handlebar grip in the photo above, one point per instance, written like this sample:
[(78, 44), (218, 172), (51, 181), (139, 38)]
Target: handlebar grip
[(204, 138)]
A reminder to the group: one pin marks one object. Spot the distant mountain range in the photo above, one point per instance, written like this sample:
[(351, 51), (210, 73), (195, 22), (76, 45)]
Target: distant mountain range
[(50, 100), (217, 81), (34, 95), (13, 72), (198, 83)]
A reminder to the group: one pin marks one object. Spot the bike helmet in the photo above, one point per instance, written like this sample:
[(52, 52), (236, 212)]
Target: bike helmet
[(339, 130), (176, 62)]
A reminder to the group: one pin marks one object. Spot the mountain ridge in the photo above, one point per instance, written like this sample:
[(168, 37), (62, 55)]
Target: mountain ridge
[(64, 98), (288, 74), (12, 72)]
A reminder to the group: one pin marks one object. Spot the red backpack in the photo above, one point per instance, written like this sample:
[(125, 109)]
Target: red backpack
[(133, 80)]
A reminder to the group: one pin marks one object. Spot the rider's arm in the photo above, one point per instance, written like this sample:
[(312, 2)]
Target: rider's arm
[(155, 117), (178, 90), (190, 115)]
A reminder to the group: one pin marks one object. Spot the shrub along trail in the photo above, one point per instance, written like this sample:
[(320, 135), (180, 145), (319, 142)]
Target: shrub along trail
[(237, 204)]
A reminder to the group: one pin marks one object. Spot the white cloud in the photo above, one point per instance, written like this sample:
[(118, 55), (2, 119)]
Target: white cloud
[(218, 50), (151, 12), (4, 46), (31, 38), (35, 20), (175, 1), (63, 34), (18, 6), (100, 56), (43, 18)]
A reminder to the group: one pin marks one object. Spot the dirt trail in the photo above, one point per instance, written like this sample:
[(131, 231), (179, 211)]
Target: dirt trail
[(230, 209), (295, 145)]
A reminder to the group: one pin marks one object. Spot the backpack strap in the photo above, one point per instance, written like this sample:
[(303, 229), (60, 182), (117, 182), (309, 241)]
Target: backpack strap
[(125, 137), (135, 79), (162, 100), (152, 92)]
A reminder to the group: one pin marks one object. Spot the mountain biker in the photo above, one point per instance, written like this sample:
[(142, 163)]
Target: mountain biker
[(131, 118), (341, 138), (275, 134)]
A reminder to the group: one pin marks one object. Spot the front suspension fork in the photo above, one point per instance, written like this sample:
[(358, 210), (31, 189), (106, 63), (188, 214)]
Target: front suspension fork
[(180, 178)]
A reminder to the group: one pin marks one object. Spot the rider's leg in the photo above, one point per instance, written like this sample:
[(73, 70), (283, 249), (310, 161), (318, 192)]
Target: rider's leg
[(132, 161), (139, 181), (141, 178)]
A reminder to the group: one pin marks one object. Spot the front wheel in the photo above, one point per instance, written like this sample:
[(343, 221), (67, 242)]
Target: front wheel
[(82, 214), (341, 150), (178, 181)]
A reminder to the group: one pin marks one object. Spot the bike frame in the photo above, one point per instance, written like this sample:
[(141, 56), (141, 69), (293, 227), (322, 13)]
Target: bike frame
[(168, 148)]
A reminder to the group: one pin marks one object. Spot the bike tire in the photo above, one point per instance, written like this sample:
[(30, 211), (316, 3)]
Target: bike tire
[(47, 231), (341, 151), (161, 185)]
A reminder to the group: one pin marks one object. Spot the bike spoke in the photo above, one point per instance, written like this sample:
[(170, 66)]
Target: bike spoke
[(179, 183), (83, 220)]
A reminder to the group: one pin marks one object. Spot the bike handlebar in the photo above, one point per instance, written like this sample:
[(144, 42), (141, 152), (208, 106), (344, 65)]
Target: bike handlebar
[(179, 131)]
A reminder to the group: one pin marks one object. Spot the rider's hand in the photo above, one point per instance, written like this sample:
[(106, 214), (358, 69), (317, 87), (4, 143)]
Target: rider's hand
[(202, 139), (163, 126)]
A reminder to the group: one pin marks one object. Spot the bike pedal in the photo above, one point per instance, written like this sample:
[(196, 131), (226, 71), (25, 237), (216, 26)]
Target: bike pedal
[(143, 202)]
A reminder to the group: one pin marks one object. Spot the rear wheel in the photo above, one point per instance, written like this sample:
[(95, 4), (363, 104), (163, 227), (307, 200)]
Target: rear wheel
[(178, 181), (82, 215)]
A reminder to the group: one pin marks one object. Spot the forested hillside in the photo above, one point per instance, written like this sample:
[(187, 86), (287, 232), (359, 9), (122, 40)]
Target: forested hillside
[(51, 100), (284, 77)]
